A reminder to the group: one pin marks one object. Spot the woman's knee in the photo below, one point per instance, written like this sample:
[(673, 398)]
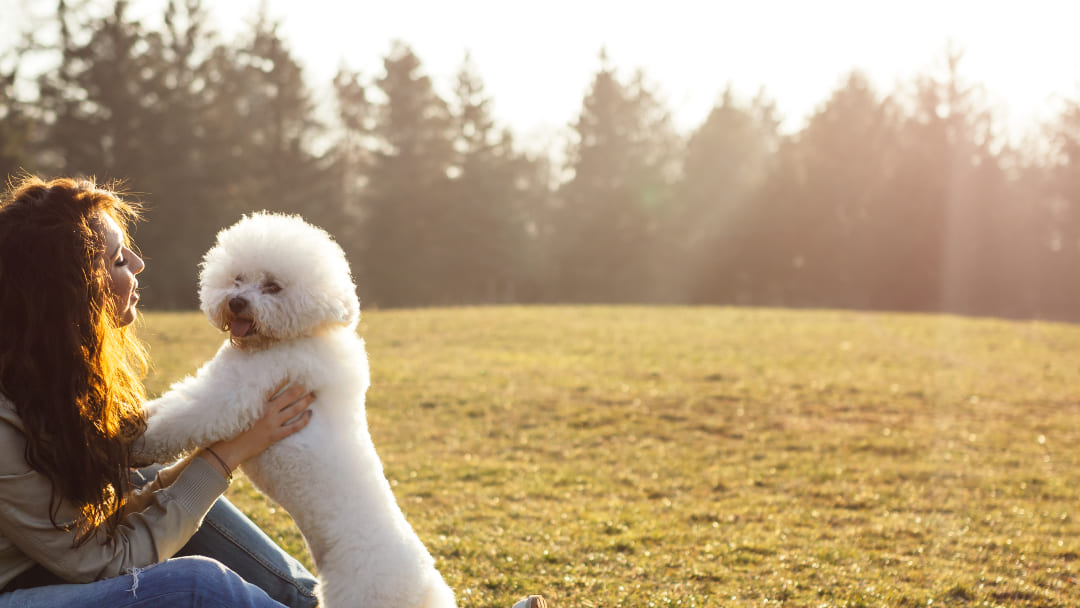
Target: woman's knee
[(202, 566), (228, 536), (183, 574), (203, 580)]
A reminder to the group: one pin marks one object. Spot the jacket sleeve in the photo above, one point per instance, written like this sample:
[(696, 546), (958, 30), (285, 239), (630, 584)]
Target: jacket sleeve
[(141, 498), (168, 515)]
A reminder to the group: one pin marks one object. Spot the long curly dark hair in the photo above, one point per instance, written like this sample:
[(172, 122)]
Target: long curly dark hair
[(73, 373)]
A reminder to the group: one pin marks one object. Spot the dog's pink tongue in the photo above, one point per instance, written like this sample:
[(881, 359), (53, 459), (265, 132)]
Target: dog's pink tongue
[(240, 327)]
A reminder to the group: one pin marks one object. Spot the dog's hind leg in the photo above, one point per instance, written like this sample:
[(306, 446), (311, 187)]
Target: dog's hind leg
[(439, 594)]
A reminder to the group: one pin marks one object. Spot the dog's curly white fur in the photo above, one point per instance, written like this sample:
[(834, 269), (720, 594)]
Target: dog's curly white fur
[(283, 290)]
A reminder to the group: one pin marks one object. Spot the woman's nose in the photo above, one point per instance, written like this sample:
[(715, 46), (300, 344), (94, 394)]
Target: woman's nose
[(139, 264)]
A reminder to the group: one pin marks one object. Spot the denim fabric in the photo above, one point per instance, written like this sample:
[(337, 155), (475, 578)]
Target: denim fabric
[(230, 539), (195, 582)]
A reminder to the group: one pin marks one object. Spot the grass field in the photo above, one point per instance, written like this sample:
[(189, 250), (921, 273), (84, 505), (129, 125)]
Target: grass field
[(608, 456)]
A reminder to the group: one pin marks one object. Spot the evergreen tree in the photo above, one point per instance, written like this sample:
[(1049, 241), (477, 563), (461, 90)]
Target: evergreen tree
[(947, 185), (268, 120), (351, 151), (207, 130), (615, 205), (187, 182), (347, 166), (14, 124), (95, 103), (1058, 222), (406, 192), (110, 110), (486, 236), (907, 202), (727, 161), (826, 200)]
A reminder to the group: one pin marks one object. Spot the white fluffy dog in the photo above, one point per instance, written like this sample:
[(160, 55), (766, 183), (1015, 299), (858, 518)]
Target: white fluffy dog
[(283, 290)]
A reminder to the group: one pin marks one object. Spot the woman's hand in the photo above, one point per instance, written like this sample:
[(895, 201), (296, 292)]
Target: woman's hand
[(286, 413)]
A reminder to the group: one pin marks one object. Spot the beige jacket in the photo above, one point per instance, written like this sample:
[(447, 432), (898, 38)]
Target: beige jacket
[(160, 518)]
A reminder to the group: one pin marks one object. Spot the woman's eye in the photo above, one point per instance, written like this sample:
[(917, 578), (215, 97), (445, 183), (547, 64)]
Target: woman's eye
[(271, 287), (239, 279), (122, 262)]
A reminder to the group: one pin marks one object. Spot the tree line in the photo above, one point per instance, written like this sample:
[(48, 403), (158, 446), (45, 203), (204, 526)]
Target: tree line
[(911, 200)]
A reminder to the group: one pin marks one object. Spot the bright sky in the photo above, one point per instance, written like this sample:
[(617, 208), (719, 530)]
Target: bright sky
[(538, 58)]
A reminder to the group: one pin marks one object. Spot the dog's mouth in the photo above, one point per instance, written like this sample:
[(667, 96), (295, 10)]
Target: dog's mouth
[(241, 327)]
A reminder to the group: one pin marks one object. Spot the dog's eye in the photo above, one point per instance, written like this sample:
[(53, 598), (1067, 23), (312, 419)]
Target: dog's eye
[(271, 287)]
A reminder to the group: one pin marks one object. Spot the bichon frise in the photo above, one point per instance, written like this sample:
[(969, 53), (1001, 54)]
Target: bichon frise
[(283, 290)]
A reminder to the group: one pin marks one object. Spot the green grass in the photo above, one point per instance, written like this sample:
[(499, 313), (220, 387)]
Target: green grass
[(609, 456)]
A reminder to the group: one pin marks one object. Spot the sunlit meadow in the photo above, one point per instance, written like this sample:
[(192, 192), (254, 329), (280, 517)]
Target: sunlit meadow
[(623, 456)]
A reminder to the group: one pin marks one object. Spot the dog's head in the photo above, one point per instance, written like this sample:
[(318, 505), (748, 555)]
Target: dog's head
[(273, 277)]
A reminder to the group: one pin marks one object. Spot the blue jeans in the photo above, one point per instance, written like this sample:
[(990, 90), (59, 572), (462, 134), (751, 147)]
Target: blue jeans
[(228, 536), (247, 562), (188, 582)]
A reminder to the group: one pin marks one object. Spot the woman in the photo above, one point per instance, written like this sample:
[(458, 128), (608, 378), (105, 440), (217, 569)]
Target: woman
[(70, 394), (70, 389)]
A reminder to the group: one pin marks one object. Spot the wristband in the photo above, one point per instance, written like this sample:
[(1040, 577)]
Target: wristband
[(228, 471)]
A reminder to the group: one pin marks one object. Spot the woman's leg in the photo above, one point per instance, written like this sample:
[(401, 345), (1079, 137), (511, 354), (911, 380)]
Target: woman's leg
[(228, 536), (198, 582)]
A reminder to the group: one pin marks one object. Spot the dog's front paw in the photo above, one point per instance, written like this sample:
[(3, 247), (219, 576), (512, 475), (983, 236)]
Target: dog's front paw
[(152, 447)]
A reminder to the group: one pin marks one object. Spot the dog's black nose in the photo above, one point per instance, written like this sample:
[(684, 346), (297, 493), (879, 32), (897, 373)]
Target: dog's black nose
[(237, 304)]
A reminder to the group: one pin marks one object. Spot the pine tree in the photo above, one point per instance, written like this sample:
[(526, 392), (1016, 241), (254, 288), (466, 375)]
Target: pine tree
[(14, 124), (486, 207), (727, 161), (185, 180), (268, 119), (206, 131), (117, 108), (948, 191), (351, 151), (615, 205), (95, 105), (828, 197), (348, 164), (1057, 226), (404, 202)]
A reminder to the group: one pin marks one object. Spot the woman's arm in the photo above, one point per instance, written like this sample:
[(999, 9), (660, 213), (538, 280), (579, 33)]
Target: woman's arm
[(172, 508), (147, 537), (141, 497)]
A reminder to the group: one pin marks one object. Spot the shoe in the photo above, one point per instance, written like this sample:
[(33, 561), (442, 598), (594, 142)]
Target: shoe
[(533, 601)]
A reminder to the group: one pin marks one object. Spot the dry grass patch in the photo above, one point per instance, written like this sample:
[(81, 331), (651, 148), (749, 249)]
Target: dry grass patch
[(628, 456)]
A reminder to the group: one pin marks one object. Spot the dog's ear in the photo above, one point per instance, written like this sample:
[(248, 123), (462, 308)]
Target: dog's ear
[(352, 311), (348, 308)]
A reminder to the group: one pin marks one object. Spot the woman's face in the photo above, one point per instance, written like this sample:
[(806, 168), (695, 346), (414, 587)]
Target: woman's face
[(123, 265)]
